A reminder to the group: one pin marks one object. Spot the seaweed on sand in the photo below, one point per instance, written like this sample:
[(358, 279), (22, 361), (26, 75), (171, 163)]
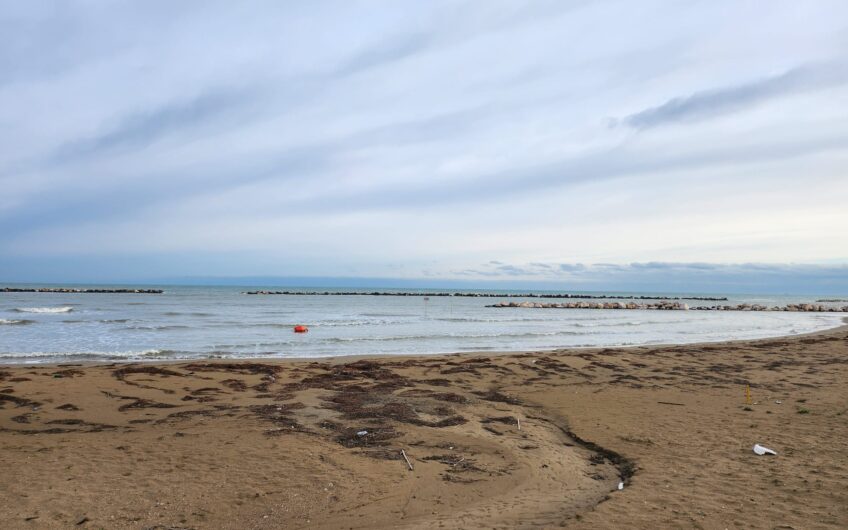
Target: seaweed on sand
[(335, 376), (137, 402), (17, 401), (236, 385), (241, 368), (280, 415), (456, 463), (494, 395), (141, 403), (367, 436), (122, 373), (365, 405), (507, 420)]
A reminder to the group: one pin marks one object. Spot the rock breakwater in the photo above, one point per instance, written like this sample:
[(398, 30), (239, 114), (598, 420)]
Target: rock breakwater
[(74, 291), (487, 295), (674, 306)]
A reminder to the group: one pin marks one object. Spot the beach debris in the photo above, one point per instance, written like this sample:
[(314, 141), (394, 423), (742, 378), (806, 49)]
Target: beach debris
[(777, 402), (362, 433), (81, 520), (760, 450), (620, 486), (517, 419), (403, 453)]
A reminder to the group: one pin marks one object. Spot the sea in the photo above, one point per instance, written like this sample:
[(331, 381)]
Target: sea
[(195, 322)]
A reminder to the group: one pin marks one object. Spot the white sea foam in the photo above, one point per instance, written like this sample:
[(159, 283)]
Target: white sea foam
[(59, 356), (64, 309), (13, 322)]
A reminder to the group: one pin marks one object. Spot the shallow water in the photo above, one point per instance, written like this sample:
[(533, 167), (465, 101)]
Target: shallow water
[(201, 322)]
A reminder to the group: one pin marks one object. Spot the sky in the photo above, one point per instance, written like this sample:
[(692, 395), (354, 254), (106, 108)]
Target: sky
[(587, 144)]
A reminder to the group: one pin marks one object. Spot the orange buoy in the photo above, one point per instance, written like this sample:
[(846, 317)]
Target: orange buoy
[(300, 329)]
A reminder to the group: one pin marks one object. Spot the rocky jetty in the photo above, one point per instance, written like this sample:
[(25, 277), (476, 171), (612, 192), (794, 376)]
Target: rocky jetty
[(486, 295), (674, 306), (74, 291), (665, 305)]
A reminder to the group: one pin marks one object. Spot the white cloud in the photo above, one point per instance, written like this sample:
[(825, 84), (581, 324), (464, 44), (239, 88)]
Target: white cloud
[(428, 137)]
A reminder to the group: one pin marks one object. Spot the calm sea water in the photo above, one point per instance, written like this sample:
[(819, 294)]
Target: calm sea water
[(210, 322)]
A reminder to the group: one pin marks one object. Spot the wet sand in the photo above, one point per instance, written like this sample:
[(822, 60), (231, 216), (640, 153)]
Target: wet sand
[(533, 440)]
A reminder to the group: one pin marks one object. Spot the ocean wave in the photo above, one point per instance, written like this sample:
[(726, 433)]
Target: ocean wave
[(525, 334), (351, 323), (63, 309), (50, 357), (15, 322), (491, 320), (165, 327), (630, 323), (313, 325), (160, 354), (299, 341)]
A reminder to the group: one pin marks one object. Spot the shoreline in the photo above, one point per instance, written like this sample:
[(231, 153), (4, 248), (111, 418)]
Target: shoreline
[(531, 439), (377, 356)]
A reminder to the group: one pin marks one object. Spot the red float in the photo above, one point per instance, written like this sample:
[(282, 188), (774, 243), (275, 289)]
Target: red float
[(300, 329)]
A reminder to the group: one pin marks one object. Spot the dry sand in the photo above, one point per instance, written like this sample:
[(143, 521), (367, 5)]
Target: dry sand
[(270, 444)]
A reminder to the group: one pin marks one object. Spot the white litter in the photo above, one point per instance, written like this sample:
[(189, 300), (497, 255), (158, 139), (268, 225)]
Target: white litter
[(362, 433), (760, 450), (621, 485), (778, 401)]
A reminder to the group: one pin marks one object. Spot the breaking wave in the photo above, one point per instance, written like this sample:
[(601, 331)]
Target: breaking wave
[(63, 309), (14, 322)]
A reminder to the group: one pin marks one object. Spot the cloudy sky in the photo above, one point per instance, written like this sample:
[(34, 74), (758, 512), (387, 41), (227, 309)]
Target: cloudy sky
[(569, 141)]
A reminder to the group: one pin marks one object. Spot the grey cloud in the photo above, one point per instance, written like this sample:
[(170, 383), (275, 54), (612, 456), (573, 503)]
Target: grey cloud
[(710, 103), (512, 270), (385, 52), (613, 163), (616, 162), (141, 129), (657, 267), (686, 277)]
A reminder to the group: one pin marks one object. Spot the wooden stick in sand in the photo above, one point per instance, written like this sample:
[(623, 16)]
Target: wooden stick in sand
[(407, 459), (519, 422)]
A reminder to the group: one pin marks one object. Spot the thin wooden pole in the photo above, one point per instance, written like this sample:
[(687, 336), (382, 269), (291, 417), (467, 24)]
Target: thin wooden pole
[(407, 459)]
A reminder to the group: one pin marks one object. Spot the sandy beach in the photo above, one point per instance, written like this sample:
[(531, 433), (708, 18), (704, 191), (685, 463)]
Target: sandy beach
[(532, 440)]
